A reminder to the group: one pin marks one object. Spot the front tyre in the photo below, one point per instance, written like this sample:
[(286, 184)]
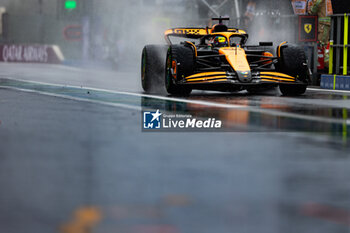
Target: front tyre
[(152, 68), (292, 89), (292, 61), (179, 64)]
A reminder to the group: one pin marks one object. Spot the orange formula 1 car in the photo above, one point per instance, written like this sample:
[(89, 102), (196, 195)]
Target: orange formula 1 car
[(217, 58)]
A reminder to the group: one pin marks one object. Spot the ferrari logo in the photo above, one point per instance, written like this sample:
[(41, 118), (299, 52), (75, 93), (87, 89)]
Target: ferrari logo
[(308, 27)]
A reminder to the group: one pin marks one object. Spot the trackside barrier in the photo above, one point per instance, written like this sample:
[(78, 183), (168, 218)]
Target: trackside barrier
[(335, 82), (31, 53), (338, 77)]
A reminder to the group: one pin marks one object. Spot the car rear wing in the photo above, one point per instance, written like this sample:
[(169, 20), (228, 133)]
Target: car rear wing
[(194, 32)]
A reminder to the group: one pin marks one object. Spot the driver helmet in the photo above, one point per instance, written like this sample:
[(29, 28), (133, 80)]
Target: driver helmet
[(220, 41)]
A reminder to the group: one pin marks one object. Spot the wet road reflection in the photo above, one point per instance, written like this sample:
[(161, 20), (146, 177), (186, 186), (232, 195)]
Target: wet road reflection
[(319, 113), (83, 165)]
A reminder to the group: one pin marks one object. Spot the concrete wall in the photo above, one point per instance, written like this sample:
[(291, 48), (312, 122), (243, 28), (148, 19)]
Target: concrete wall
[(114, 23), (41, 29), (30, 7), (38, 21)]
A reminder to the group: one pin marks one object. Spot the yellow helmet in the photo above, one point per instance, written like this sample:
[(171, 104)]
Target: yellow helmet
[(220, 41)]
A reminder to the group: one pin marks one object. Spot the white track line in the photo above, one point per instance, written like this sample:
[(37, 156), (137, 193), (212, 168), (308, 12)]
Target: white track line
[(211, 104), (199, 102), (75, 98), (328, 90)]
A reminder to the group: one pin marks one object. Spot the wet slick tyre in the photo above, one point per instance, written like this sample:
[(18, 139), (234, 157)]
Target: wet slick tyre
[(179, 64), (293, 62), (153, 68), (292, 89)]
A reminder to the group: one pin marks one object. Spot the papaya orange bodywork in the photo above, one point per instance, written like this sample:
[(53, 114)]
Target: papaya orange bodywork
[(236, 57), (174, 67)]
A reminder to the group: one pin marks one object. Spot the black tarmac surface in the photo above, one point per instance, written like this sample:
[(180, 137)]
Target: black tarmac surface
[(78, 161)]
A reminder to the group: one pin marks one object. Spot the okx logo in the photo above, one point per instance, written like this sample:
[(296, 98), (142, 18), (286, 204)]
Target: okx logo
[(152, 120)]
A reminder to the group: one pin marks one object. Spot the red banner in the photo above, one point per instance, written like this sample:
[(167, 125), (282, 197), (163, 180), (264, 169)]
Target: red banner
[(50, 54)]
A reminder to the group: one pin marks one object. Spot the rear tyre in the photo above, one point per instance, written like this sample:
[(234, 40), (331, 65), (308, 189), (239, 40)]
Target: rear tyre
[(293, 62), (153, 67), (180, 64)]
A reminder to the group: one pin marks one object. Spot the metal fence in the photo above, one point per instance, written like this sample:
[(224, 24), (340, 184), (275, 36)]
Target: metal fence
[(339, 44)]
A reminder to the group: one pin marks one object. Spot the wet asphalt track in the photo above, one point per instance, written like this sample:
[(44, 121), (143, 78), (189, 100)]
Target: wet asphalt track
[(75, 159)]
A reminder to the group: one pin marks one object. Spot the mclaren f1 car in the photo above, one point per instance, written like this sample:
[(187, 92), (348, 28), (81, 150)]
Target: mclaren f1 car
[(218, 58)]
